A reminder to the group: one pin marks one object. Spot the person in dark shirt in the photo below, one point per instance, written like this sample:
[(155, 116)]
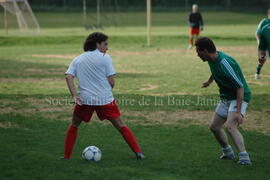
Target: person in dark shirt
[(195, 22)]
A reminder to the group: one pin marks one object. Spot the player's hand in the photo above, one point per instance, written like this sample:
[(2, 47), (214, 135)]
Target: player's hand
[(205, 84), (77, 100), (239, 119)]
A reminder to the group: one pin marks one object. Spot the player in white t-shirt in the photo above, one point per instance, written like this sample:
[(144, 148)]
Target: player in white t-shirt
[(95, 74)]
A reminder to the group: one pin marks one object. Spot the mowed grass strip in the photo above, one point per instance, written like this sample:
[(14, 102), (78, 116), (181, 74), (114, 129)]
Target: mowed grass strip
[(33, 146), (143, 110), (126, 19)]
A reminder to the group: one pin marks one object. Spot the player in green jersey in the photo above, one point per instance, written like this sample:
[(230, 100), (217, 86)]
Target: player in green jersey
[(264, 44), (264, 22), (235, 96)]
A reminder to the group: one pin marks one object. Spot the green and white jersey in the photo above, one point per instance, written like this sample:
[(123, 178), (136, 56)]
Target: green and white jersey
[(229, 77), (265, 39), (263, 23)]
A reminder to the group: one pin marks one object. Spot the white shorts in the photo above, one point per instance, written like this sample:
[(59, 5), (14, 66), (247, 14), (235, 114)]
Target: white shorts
[(224, 107)]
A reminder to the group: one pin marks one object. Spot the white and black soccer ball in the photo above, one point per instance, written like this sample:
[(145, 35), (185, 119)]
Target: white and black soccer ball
[(92, 153)]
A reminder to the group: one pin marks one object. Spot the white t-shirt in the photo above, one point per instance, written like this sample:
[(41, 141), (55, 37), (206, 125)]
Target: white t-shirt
[(92, 68)]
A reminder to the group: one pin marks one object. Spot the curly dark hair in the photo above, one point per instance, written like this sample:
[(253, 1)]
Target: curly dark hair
[(92, 39)]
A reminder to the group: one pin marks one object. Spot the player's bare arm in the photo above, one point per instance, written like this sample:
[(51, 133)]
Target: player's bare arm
[(208, 82), (111, 80), (72, 89), (239, 100)]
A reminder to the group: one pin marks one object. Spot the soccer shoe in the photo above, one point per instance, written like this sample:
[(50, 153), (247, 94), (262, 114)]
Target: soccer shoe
[(244, 158), (257, 76), (227, 153), (139, 155), (227, 156), (189, 46), (245, 162)]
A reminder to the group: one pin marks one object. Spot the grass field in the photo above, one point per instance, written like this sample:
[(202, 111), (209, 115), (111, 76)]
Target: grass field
[(157, 89)]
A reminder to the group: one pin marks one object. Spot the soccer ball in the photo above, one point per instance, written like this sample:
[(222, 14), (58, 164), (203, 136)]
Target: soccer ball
[(92, 153)]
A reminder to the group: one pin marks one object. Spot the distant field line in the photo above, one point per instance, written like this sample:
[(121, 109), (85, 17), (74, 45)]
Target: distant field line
[(239, 49)]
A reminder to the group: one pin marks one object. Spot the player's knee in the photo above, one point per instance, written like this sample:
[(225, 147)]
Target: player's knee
[(213, 128), (76, 121), (230, 128), (262, 62), (76, 124), (120, 123), (117, 123)]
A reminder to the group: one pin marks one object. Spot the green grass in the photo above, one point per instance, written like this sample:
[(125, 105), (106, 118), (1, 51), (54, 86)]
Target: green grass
[(173, 18), (35, 102), (173, 152)]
